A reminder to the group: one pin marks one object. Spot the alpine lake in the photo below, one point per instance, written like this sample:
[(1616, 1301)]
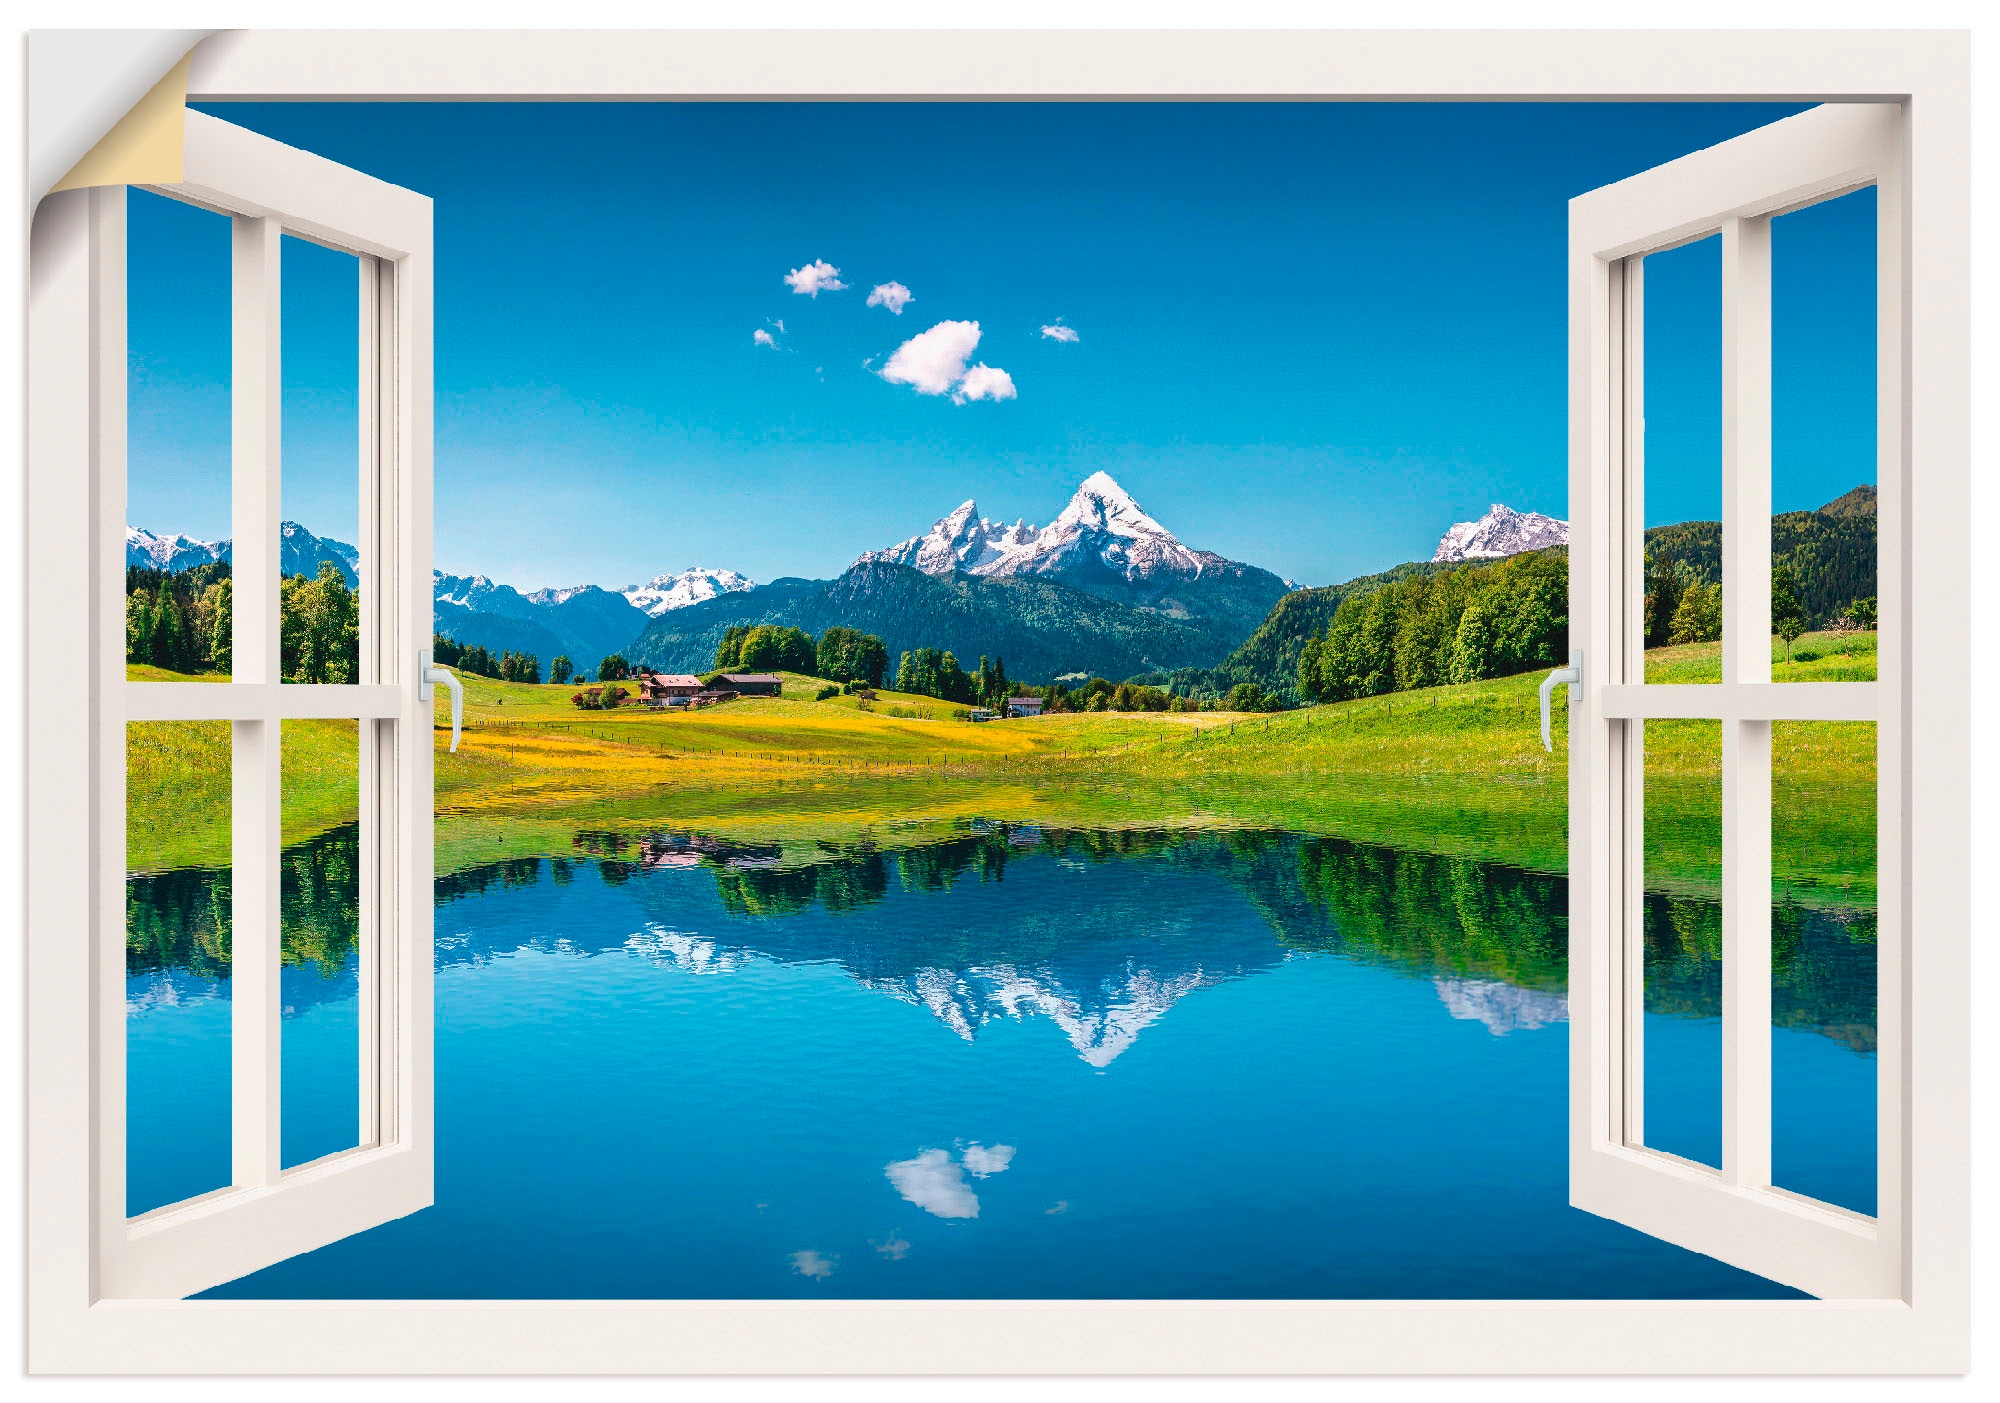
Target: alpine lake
[(999, 1061)]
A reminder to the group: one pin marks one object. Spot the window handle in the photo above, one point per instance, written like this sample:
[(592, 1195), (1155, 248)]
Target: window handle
[(428, 673), (1573, 675)]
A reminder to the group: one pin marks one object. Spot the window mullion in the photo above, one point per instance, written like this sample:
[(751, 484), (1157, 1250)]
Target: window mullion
[(369, 735), (255, 812), (1627, 664), (1746, 743)]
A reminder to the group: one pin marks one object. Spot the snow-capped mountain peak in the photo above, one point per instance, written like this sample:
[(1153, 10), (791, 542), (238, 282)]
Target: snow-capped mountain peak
[(672, 591), (299, 552), (175, 552), (1502, 531), (1102, 526), (557, 596), (960, 540), (1100, 504)]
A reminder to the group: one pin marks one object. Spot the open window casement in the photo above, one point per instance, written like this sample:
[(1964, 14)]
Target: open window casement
[(103, 1286), (1732, 1211), (270, 1212)]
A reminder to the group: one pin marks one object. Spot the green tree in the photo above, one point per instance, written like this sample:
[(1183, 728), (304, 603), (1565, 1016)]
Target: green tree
[(1472, 644), (927, 672), (1698, 618), (1788, 620), (139, 626), (561, 669), (614, 669), (729, 652), (165, 633), (1861, 613), (1666, 580), (770, 647), (319, 628), (849, 655), (221, 624), (1245, 696)]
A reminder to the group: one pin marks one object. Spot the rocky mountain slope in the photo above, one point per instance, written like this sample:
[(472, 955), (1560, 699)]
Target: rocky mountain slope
[(1502, 531)]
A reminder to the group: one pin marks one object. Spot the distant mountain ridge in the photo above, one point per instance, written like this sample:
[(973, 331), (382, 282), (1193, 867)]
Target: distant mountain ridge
[(584, 624), (1102, 543), (664, 593), (299, 552), (1043, 629), (1501, 532)]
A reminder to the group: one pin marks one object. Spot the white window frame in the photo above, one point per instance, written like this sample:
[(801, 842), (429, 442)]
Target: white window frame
[(1923, 1327), (1731, 1211), (267, 192)]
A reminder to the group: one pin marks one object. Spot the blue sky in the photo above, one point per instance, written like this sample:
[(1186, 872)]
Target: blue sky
[(1310, 336)]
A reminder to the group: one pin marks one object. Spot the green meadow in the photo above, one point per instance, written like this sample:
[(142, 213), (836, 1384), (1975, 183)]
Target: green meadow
[(1455, 770)]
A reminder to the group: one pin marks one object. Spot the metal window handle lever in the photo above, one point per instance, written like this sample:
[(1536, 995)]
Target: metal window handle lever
[(428, 673), (1573, 675)]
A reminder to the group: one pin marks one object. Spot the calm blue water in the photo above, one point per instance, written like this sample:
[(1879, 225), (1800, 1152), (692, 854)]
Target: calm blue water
[(1020, 1064)]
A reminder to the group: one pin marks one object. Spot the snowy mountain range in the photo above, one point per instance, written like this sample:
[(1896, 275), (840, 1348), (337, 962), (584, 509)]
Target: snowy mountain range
[(1502, 531), (667, 592), (1103, 543), (1102, 529), (1104, 586), (299, 552)]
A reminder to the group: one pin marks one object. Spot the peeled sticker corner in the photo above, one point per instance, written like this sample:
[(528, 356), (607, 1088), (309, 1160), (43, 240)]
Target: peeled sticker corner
[(146, 146)]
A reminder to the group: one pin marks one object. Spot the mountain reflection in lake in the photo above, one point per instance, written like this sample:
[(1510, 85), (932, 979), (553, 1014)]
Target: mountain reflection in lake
[(1025, 1063)]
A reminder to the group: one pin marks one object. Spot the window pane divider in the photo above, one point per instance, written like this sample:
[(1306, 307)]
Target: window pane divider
[(1746, 664), (1741, 701), (260, 701)]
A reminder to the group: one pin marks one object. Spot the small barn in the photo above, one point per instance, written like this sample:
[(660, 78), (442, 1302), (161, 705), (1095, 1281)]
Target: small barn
[(752, 684)]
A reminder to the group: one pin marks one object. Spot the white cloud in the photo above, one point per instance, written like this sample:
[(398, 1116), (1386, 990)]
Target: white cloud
[(935, 1184), (895, 1249), (934, 363), (984, 1162), (779, 323), (1056, 331), (816, 277), (984, 382), (931, 362), (812, 1264), (894, 296), (761, 337)]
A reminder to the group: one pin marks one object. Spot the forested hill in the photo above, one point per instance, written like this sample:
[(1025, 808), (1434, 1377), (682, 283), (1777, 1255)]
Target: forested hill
[(1830, 553), (1270, 656), (1041, 628)]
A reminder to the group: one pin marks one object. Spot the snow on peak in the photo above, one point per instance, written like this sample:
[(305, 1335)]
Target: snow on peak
[(1504, 1008), (961, 540), (1100, 504), (1502, 531), (1102, 521), (299, 551), (175, 552), (559, 596), (672, 591)]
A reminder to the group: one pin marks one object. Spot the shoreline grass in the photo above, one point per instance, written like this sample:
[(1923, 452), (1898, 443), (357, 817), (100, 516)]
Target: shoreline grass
[(1453, 770)]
